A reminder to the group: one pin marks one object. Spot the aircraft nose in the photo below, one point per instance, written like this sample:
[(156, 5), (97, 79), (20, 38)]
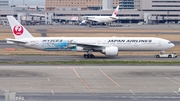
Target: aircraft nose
[(173, 45), (170, 44)]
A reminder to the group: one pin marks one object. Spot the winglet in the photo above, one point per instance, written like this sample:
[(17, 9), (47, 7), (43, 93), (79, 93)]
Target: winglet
[(18, 30)]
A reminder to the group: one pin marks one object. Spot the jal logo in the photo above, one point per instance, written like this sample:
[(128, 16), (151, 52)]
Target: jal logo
[(18, 30), (115, 12)]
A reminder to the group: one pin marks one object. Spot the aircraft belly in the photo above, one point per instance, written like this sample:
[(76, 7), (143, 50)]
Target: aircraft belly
[(102, 20), (105, 20), (32, 47)]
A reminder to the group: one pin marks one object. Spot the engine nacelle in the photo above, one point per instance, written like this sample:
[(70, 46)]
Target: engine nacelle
[(110, 51)]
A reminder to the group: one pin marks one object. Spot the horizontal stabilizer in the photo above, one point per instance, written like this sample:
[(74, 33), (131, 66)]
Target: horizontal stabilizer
[(114, 17), (9, 40)]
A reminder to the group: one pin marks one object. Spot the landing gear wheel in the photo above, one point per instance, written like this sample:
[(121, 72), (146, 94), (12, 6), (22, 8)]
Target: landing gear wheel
[(169, 56), (89, 56), (157, 56), (85, 56), (92, 56)]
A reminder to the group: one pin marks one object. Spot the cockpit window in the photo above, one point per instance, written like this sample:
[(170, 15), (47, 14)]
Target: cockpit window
[(169, 42)]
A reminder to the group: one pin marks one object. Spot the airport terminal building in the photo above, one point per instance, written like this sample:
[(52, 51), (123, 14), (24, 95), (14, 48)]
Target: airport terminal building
[(56, 11)]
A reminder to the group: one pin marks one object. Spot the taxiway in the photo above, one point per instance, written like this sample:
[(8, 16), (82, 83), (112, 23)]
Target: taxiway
[(91, 83), (17, 58)]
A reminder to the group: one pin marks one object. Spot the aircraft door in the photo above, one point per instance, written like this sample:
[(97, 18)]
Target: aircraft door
[(159, 43)]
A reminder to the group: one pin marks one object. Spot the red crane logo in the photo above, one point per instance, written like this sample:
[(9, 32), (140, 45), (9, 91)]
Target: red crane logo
[(115, 12), (18, 30)]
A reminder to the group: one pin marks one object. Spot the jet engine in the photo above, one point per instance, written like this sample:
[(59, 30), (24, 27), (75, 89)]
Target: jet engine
[(110, 51)]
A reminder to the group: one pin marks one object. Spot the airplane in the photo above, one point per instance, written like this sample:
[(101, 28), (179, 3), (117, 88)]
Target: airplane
[(109, 46), (101, 19)]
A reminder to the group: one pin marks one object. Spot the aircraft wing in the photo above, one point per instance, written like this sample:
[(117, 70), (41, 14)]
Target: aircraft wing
[(93, 20), (123, 18), (89, 46), (15, 41)]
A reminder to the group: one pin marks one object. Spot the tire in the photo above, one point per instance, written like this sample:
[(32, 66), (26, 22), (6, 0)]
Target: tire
[(85, 56), (157, 56), (92, 56), (89, 56), (169, 56)]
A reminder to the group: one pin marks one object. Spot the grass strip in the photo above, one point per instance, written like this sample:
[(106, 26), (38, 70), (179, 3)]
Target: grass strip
[(95, 62)]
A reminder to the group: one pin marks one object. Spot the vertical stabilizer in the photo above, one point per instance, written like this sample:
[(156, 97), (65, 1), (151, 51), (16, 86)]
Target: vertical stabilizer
[(18, 30), (115, 11)]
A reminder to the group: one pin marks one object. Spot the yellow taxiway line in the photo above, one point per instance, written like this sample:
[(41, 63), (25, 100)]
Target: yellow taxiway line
[(82, 80), (109, 77)]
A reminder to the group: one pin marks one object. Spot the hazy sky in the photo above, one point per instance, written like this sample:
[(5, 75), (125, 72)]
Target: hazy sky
[(28, 2)]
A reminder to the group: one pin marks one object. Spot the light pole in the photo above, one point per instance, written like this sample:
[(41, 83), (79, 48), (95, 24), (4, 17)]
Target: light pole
[(23, 2), (55, 4), (12, 3), (100, 6)]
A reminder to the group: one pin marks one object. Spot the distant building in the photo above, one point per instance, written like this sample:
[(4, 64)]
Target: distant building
[(4, 3), (83, 4), (107, 4), (126, 4), (133, 11), (160, 5), (129, 4), (150, 5)]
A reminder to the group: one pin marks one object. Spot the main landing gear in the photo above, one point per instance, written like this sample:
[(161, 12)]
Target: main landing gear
[(89, 56)]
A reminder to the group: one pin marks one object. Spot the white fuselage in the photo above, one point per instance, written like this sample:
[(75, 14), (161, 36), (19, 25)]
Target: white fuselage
[(101, 19), (122, 43), (110, 46)]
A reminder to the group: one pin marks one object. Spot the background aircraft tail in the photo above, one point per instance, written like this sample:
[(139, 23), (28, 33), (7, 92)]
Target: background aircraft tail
[(115, 11), (18, 30)]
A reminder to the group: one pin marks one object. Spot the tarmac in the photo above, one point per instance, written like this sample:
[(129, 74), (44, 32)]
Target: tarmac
[(91, 83), (124, 26), (31, 58)]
